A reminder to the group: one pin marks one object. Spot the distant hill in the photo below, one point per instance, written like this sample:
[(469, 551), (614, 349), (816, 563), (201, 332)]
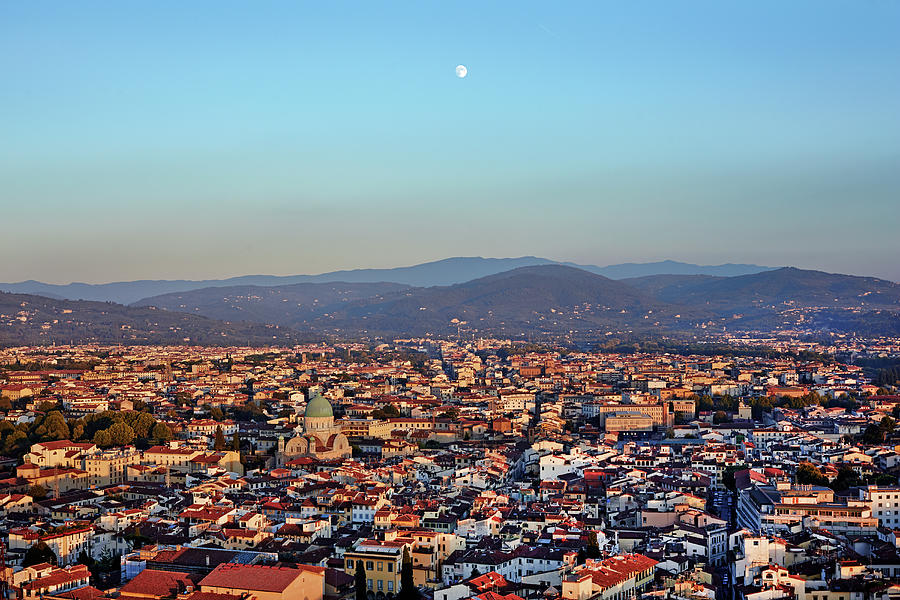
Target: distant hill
[(295, 305), (536, 299), (541, 298), (27, 320), (441, 272), (671, 267), (776, 289), (530, 301)]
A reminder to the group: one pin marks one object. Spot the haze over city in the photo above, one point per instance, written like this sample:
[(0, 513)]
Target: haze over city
[(213, 139)]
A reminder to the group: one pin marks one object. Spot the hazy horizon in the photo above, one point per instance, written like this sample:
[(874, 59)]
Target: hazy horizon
[(209, 140), (379, 267)]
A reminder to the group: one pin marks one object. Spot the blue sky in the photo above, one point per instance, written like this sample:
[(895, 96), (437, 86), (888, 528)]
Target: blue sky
[(208, 139)]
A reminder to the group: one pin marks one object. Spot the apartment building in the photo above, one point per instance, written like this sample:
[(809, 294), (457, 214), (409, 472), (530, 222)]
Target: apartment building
[(382, 562)]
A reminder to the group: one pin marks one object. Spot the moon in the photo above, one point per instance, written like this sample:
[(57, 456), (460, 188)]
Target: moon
[(461, 71)]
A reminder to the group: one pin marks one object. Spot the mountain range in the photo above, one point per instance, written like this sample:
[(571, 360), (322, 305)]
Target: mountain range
[(528, 301), (554, 299), (441, 272)]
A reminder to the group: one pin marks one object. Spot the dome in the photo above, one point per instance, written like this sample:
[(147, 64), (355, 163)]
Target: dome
[(319, 407)]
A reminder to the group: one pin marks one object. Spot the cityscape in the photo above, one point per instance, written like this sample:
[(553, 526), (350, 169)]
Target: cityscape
[(382, 300)]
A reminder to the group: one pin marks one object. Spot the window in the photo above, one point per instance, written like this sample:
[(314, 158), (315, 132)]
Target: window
[(349, 563), (380, 566), (390, 567), (380, 585), (369, 565), (369, 584), (390, 586)]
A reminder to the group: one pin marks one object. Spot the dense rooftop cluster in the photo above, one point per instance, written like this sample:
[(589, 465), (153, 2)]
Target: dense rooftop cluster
[(427, 468)]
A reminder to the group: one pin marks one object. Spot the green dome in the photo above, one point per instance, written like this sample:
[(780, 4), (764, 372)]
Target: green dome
[(319, 407)]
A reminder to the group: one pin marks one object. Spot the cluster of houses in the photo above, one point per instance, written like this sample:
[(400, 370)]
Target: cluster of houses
[(495, 472)]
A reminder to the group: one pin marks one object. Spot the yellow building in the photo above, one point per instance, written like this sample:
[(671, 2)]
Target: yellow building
[(628, 421), (110, 466), (382, 562), (367, 428)]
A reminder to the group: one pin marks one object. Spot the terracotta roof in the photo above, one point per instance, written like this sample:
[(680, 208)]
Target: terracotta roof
[(159, 583), (256, 577), (58, 577)]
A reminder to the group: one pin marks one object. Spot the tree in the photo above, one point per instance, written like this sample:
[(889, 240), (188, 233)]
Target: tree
[(142, 424), (451, 413), (728, 476), (53, 427), (720, 416), (360, 581), (593, 547), (102, 438), (121, 434), (39, 553), (846, 478), (235, 443), (37, 492), (162, 432), (873, 434), (807, 473), (219, 443), (408, 589), (887, 424), (15, 443)]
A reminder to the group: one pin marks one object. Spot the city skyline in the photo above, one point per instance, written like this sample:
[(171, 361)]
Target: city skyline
[(213, 140)]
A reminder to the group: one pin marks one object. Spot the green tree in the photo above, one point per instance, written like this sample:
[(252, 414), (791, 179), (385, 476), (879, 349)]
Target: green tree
[(37, 492), (15, 443), (593, 547), (121, 434), (39, 553), (720, 416), (103, 439), (142, 424), (846, 478), (728, 476), (408, 589), (450, 413), (873, 434), (360, 581), (235, 443), (52, 427), (887, 425), (808, 474), (162, 432), (219, 443)]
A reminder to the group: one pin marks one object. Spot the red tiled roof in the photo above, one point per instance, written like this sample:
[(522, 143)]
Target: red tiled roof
[(256, 577), (58, 577), (159, 583)]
